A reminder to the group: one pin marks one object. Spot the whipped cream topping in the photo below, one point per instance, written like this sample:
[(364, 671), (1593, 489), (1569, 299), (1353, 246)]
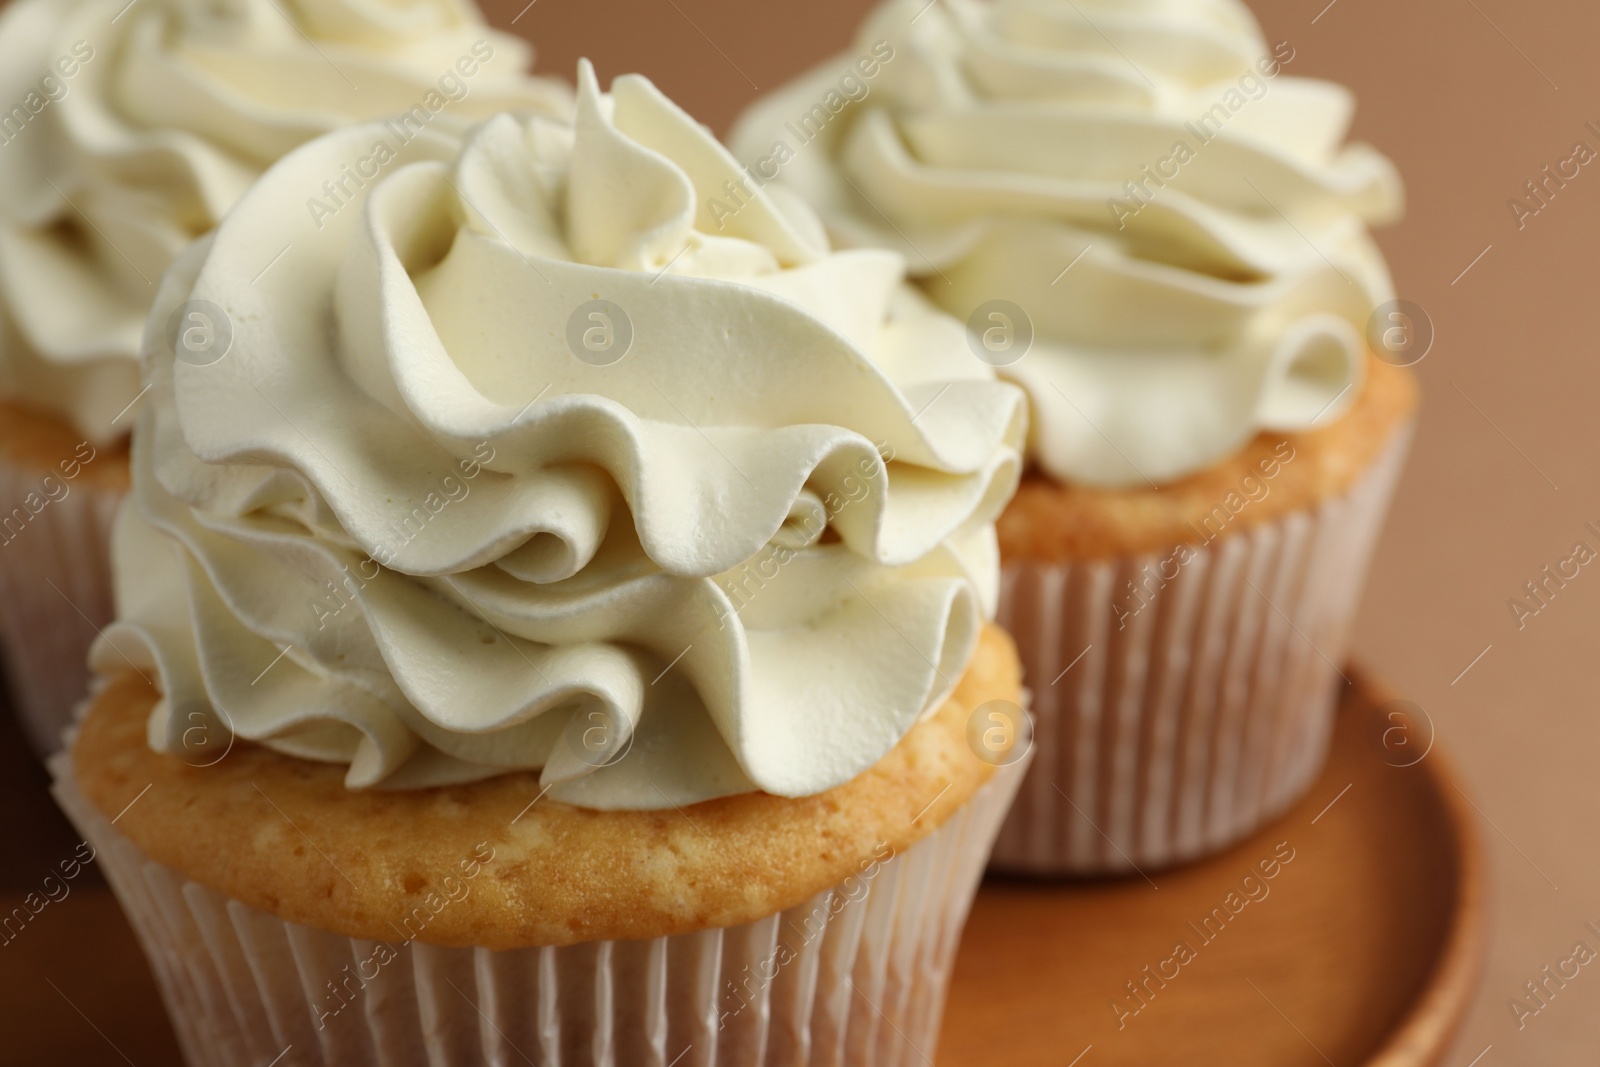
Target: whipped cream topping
[(127, 130), (516, 462), (1174, 214)]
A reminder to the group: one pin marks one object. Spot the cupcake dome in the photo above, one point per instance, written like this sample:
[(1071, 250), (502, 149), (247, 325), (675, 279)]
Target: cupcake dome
[(132, 128), (514, 459), (1174, 217)]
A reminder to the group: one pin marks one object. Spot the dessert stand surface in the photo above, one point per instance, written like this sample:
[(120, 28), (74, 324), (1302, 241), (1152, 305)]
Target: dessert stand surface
[(1364, 949)]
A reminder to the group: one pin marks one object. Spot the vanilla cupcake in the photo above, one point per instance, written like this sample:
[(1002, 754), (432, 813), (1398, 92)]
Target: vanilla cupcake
[(1160, 234), (126, 131), (605, 599)]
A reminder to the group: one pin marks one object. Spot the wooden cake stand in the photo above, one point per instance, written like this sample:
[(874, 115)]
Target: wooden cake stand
[(1363, 950)]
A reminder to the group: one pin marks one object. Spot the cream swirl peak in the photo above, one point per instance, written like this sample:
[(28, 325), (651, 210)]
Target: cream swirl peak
[(516, 464), (1175, 216), (127, 130)]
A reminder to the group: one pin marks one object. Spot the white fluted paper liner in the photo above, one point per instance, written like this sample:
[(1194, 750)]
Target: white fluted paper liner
[(854, 976), (1194, 721), (55, 594)]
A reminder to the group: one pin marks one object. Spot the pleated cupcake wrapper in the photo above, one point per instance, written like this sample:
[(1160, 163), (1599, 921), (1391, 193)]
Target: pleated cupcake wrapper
[(55, 594), (1172, 732), (856, 975)]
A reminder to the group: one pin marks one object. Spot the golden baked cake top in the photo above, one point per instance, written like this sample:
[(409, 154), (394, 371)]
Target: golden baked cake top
[(498, 864), (1272, 476)]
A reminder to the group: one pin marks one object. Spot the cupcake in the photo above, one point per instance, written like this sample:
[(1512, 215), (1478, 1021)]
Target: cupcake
[(1160, 234), (554, 630), (126, 130)]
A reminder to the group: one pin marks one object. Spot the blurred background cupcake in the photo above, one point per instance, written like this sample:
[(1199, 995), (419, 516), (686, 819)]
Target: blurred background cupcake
[(127, 130), (1159, 233), (604, 590)]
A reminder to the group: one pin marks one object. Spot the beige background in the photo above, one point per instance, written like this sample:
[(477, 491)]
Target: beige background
[(1471, 98)]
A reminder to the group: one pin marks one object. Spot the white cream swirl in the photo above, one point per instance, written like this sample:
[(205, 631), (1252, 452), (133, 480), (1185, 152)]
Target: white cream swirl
[(1174, 214), (402, 524), (127, 130)]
